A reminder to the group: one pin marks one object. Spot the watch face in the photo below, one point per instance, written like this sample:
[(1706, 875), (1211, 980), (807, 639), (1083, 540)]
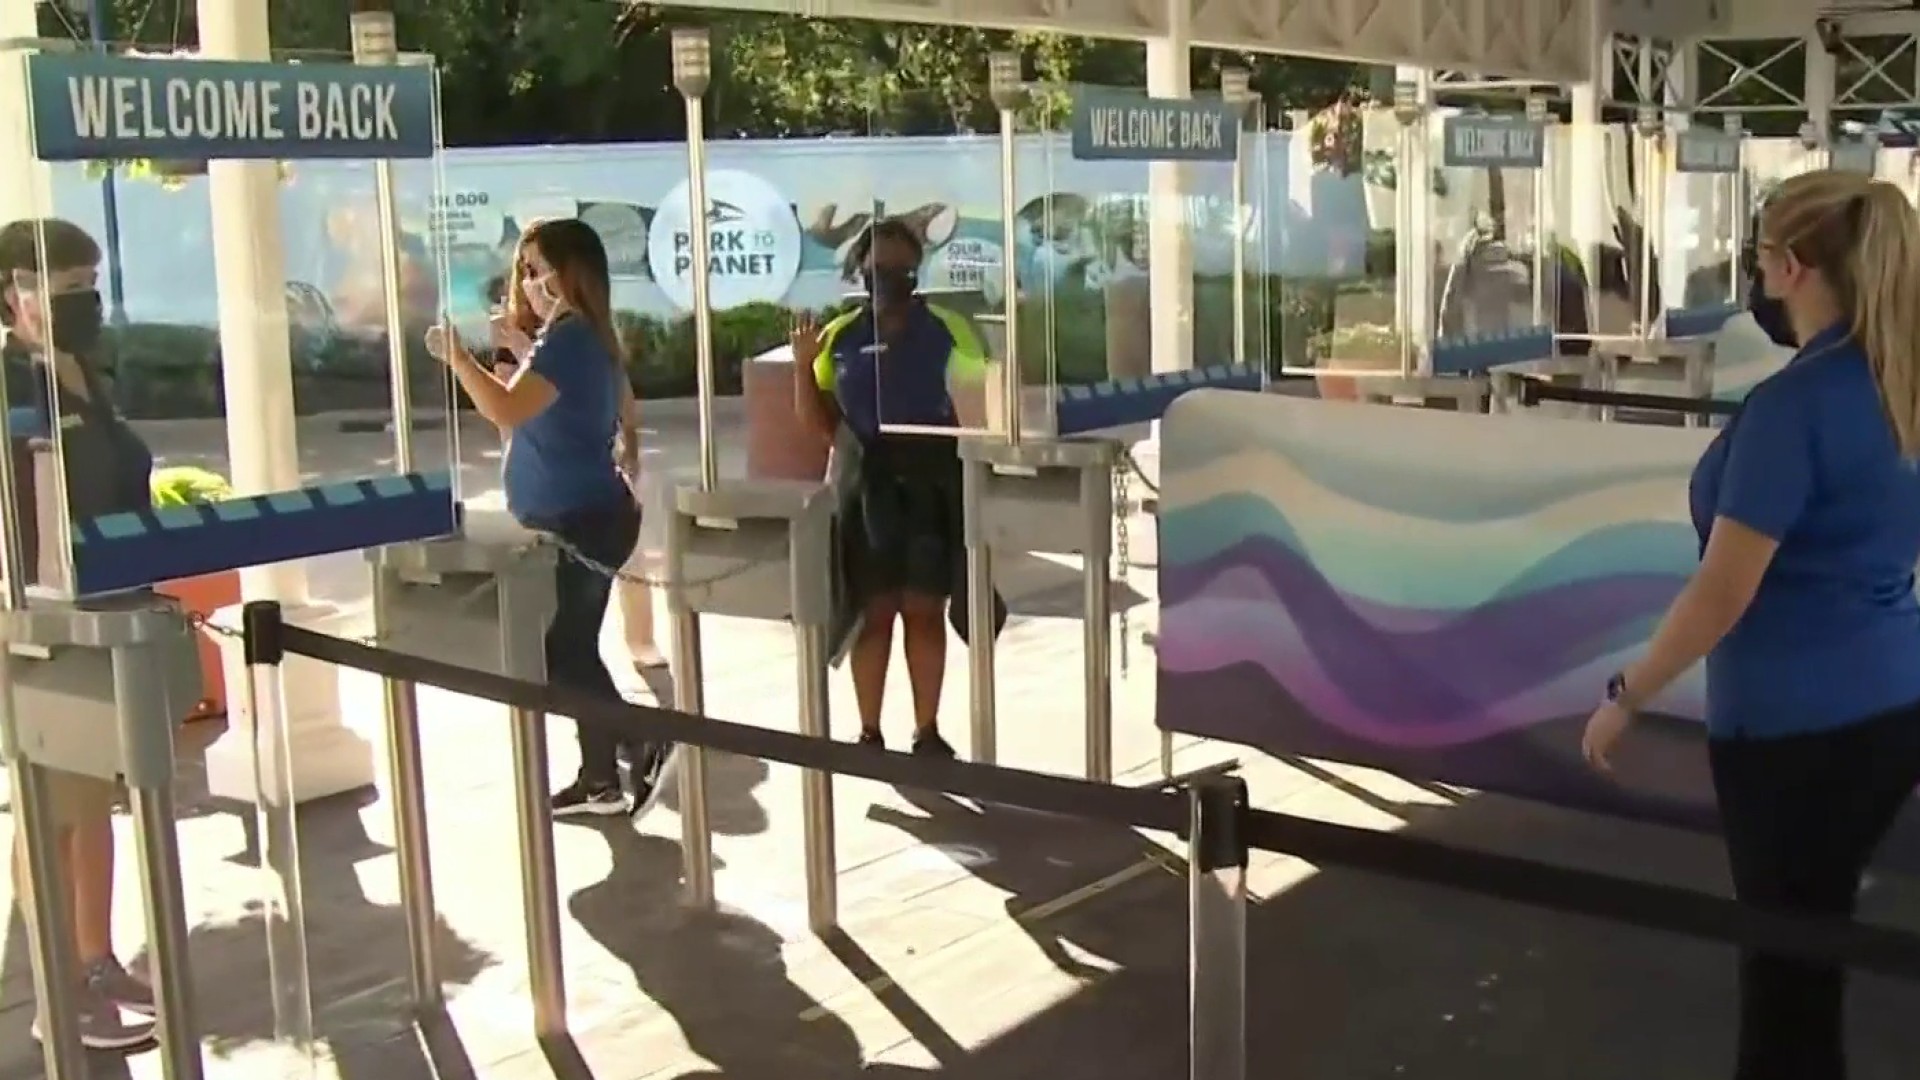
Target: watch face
[(1616, 686)]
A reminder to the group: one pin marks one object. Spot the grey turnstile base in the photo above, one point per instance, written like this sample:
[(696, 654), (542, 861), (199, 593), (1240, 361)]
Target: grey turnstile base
[(755, 549), (1052, 497), (483, 604), (62, 663)]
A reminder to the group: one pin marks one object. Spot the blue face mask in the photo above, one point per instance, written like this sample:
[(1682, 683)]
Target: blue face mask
[(1771, 314)]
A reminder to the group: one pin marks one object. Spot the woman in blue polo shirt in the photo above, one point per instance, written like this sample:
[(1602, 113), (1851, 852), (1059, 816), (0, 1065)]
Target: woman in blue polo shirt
[(1808, 510), (899, 359), (565, 409)]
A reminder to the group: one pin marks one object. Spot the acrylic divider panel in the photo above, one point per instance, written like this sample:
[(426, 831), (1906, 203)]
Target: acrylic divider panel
[(1150, 262), (1340, 319), (921, 331), (1706, 216), (159, 384)]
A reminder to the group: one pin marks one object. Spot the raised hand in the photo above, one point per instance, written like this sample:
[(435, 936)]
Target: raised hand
[(805, 339)]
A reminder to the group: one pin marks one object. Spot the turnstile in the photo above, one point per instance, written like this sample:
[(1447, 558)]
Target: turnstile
[(756, 549), (1042, 497), (97, 689)]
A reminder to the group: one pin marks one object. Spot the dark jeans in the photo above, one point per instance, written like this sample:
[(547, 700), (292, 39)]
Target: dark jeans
[(1802, 816), (607, 536)]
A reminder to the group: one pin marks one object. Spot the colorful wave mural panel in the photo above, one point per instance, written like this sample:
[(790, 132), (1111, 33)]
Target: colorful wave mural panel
[(1438, 594)]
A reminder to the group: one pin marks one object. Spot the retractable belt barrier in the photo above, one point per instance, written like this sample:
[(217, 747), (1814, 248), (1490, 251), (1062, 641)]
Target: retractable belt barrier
[(1533, 391), (1211, 813)]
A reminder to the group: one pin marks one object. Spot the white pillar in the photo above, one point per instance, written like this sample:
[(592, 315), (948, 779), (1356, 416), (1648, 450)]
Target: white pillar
[(1686, 240), (1819, 87), (25, 190), (257, 372), (1169, 243)]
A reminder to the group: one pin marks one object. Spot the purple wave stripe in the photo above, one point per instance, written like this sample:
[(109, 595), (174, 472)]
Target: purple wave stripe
[(1200, 636), (1448, 669)]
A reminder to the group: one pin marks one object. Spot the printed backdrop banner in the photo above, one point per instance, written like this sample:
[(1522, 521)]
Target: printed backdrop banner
[(1440, 595)]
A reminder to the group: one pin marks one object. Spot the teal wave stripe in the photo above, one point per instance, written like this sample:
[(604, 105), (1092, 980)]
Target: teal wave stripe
[(1395, 568)]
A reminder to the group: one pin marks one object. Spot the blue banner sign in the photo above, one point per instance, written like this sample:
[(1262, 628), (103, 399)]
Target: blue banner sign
[(1494, 142), (1706, 152), (89, 107), (1122, 125)]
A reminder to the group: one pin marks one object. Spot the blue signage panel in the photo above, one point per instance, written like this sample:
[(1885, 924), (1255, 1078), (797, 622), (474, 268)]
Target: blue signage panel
[(1124, 125), (1494, 142), (90, 107), (1698, 151)]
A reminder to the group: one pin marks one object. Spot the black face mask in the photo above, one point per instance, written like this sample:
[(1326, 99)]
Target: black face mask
[(78, 320), (1771, 314), (889, 287)]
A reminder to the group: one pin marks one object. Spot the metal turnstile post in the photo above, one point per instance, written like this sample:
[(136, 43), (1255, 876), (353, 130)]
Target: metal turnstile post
[(1217, 893), (757, 550), (983, 699), (146, 747), (525, 606), (1043, 497), (406, 784)]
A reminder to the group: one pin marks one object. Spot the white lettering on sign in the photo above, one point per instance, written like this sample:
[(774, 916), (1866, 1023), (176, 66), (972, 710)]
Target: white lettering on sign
[(126, 108), (1496, 143), (1148, 127)]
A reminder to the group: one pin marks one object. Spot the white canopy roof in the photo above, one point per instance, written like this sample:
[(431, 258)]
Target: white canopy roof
[(1546, 40)]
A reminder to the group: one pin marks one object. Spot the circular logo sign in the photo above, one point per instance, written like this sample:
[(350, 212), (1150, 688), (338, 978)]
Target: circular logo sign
[(753, 243)]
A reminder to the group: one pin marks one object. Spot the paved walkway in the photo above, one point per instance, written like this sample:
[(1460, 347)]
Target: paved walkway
[(980, 942)]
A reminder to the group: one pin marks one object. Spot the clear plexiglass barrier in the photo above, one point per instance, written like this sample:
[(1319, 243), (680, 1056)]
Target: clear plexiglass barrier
[(1092, 183), (1705, 222), (120, 359)]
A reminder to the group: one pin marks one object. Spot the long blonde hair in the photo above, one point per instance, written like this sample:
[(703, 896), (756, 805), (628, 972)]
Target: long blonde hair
[(1864, 237)]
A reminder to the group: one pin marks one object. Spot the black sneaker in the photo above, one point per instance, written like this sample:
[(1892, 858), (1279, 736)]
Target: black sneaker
[(874, 739), (650, 775), (582, 798), (930, 744)]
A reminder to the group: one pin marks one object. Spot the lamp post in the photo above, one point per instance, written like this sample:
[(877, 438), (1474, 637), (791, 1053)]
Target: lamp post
[(1236, 90), (99, 16)]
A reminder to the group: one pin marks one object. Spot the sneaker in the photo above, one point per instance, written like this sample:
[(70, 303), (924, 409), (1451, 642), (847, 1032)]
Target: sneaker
[(582, 798), (930, 744), (650, 775), (873, 739), (105, 1026), (115, 984)]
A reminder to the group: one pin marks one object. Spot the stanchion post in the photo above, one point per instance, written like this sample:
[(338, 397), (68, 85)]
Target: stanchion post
[(983, 726), (1009, 92), (283, 905), (1236, 91), (523, 656), (1217, 999), (1542, 230), (406, 781), (146, 753)]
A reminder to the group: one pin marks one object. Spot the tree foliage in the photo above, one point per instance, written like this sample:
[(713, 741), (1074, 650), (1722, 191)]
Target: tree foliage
[(524, 71)]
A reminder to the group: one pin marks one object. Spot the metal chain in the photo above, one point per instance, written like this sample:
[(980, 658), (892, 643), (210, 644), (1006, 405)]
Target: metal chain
[(473, 595)]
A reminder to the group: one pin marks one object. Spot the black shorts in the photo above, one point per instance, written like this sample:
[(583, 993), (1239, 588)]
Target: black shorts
[(910, 534)]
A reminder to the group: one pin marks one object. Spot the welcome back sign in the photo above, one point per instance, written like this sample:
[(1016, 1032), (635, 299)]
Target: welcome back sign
[(88, 107)]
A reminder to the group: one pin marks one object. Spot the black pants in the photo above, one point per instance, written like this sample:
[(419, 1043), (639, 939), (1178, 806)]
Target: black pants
[(606, 536), (1802, 816)]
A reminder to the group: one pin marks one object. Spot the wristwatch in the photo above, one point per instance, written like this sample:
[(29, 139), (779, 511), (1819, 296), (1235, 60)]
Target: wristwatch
[(1617, 690)]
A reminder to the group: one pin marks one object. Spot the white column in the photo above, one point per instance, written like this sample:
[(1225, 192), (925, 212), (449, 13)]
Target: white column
[(1819, 87), (25, 191), (1169, 244), (1413, 235), (1686, 240), (257, 372), (1589, 213)]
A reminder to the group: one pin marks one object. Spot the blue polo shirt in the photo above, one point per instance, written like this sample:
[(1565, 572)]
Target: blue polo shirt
[(907, 382), (1833, 634), (561, 462)]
